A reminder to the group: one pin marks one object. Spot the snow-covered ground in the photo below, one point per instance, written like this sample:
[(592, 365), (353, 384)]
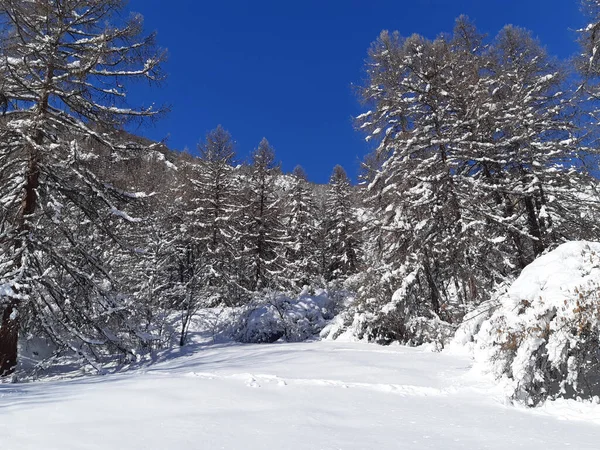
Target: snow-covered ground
[(319, 395)]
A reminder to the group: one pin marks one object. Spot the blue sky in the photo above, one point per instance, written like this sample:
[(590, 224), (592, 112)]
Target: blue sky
[(285, 69)]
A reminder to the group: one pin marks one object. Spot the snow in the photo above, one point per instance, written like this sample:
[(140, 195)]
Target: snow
[(124, 215), (535, 326), (321, 395), (568, 267), (6, 291)]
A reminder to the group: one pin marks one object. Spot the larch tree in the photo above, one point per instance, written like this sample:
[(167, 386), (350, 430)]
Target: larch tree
[(301, 257), (146, 276), (587, 64), (343, 244), (216, 209), (531, 192), (190, 269), (264, 237), (65, 65), (475, 174), (416, 200)]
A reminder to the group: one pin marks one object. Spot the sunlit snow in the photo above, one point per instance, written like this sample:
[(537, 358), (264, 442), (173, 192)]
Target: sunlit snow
[(322, 395)]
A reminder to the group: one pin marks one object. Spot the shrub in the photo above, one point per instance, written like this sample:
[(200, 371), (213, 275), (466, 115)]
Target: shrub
[(276, 316), (544, 338)]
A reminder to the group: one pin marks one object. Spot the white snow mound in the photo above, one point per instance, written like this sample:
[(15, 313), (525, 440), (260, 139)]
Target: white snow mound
[(542, 340)]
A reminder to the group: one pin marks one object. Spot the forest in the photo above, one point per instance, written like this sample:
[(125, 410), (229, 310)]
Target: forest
[(112, 246)]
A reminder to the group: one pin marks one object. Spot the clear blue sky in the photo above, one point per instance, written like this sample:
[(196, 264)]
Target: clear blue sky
[(285, 69)]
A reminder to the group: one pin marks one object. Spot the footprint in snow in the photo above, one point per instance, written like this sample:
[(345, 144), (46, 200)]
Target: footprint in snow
[(251, 382)]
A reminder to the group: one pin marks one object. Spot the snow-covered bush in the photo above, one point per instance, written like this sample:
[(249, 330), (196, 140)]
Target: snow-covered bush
[(277, 316), (391, 326), (465, 336), (384, 315), (543, 339)]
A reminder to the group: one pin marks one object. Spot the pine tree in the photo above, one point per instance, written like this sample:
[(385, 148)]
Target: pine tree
[(63, 68)]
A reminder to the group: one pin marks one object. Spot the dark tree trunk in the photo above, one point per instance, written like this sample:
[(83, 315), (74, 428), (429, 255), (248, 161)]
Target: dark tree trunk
[(182, 336), (9, 337), (516, 238), (534, 226), (9, 332), (434, 292)]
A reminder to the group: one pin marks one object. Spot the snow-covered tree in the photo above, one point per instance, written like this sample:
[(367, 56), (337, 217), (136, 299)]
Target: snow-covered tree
[(530, 150), (343, 243), (300, 224), (264, 235), (216, 210), (588, 68), (412, 86), (588, 63), (146, 276), (64, 68), (478, 174)]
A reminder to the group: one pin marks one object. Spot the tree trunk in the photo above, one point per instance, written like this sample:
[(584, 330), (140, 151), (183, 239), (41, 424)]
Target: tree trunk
[(9, 332), (9, 337), (182, 336), (434, 292), (534, 227), (516, 238)]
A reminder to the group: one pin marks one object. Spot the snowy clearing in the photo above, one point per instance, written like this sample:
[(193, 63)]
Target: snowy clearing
[(320, 395)]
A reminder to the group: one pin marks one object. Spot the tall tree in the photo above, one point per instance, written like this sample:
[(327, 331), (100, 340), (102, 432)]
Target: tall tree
[(414, 191), (264, 235), (587, 64), (528, 167), (301, 257), (343, 247), (64, 67), (478, 175), (216, 209)]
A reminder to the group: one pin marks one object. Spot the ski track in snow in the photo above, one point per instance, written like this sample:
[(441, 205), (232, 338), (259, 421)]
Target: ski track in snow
[(310, 396)]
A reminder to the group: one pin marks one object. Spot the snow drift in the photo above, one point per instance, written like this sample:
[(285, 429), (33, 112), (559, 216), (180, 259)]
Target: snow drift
[(542, 338)]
